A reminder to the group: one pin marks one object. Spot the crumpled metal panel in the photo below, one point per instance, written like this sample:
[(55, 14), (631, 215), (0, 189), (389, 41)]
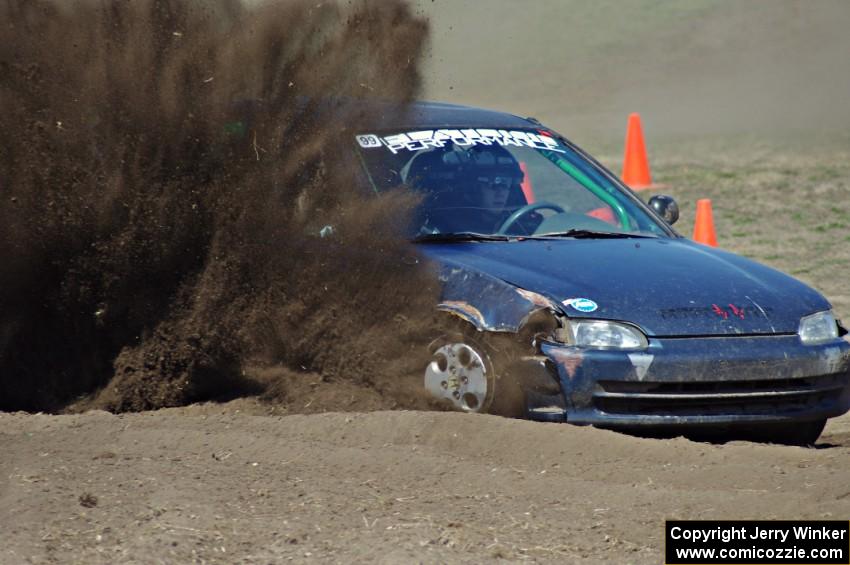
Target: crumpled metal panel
[(487, 302)]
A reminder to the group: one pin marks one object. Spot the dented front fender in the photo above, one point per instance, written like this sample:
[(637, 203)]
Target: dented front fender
[(489, 303)]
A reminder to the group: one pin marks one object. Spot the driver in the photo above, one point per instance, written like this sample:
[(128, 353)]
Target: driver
[(490, 191), (470, 189)]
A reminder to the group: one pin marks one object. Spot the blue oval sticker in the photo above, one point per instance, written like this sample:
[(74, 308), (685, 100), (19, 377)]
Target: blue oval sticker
[(581, 304)]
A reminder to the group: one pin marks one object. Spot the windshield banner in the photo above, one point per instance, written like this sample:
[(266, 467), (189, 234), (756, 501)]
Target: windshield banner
[(426, 139)]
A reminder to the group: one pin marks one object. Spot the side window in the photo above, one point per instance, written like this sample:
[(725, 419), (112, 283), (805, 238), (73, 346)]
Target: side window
[(549, 183)]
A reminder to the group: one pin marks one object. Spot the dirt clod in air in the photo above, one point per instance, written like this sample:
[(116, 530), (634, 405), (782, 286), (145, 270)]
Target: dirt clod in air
[(87, 500), (166, 167)]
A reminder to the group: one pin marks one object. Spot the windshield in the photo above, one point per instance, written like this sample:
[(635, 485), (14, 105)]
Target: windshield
[(501, 182)]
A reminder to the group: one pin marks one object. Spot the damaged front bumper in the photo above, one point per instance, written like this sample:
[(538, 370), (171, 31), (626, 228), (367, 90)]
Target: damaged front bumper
[(694, 381)]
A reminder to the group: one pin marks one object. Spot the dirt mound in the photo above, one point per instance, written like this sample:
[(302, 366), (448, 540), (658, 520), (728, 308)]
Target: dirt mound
[(164, 176)]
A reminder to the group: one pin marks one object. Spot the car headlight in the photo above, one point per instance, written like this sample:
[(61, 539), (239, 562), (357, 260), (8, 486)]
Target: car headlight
[(818, 328), (607, 335)]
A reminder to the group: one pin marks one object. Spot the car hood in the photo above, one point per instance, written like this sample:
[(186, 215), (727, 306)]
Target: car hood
[(668, 287)]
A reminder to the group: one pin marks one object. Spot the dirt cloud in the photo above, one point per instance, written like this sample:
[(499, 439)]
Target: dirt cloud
[(165, 169)]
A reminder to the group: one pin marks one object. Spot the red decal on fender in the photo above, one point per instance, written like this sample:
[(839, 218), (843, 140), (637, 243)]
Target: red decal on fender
[(720, 311), (737, 311)]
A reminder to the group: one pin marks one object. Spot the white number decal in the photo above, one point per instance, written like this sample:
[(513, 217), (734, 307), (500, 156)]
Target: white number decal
[(367, 141)]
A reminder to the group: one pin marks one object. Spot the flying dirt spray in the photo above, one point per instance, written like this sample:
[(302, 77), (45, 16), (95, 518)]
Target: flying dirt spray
[(163, 180)]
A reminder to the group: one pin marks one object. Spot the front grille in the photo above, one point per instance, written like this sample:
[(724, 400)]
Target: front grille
[(692, 398)]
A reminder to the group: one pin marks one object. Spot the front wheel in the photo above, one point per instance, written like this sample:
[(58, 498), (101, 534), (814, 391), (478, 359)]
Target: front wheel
[(462, 371)]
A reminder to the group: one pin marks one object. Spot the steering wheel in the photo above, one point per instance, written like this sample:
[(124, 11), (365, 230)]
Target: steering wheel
[(524, 211)]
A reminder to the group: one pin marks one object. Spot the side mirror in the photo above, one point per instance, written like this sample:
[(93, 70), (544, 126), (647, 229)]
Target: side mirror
[(665, 207)]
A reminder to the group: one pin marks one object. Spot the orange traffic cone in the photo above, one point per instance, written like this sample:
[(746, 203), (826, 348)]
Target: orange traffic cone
[(635, 163), (704, 224)]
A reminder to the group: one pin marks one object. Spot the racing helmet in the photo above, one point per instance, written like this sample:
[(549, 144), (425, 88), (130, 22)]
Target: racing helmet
[(456, 167)]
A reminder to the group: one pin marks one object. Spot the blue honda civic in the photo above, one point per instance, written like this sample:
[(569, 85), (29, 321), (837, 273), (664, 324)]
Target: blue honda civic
[(572, 300)]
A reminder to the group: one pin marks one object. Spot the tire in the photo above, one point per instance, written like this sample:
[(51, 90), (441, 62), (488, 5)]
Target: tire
[(469, 372)]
